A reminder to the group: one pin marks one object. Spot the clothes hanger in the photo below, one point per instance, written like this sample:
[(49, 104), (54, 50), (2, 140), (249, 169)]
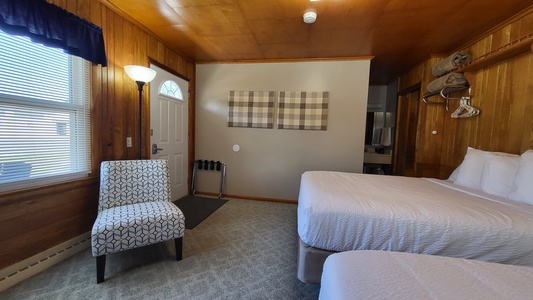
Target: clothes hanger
[(465, 110)]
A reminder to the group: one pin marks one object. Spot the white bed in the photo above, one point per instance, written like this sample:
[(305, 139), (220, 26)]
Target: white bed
[(347, 211), (370, 274)]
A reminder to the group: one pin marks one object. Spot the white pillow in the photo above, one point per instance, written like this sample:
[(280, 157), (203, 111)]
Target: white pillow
[(471, 170), (499, 171), (453, 176), (469, 174), (523, 183)]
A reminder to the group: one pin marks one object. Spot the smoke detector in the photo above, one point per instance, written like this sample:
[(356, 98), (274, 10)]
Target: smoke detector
[(310, 17)]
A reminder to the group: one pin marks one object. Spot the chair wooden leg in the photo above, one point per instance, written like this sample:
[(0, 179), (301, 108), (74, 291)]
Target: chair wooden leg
[(100, 268), (179, 248)]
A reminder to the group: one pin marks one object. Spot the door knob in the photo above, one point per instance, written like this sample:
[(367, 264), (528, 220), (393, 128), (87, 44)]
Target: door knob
[(155, 149)]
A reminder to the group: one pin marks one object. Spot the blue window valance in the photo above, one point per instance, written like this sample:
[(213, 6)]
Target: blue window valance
[(50, 25)]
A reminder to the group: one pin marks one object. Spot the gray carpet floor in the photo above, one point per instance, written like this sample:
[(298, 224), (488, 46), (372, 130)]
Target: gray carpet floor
[(244, 250)]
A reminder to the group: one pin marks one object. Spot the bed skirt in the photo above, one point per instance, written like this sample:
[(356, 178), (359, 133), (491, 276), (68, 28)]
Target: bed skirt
[(310, 262)]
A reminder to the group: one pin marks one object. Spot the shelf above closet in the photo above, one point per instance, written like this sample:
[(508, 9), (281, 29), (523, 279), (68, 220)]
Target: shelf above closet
[(515, 48)]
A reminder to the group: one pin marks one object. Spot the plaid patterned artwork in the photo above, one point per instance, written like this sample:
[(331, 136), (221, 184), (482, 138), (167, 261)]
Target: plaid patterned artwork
[(251, 109), (303, 110)]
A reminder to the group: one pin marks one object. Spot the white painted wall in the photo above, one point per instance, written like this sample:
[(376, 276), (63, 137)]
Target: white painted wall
[(270, 161)]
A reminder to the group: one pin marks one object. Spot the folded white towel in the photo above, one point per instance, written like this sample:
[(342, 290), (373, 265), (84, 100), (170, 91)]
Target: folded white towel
[(450, 63), (450, 80)]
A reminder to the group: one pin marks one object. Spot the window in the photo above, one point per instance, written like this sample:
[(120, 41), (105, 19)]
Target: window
[(44, 114), (171, 89)]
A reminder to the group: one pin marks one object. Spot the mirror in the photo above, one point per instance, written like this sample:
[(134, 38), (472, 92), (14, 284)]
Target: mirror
[(375, 121)]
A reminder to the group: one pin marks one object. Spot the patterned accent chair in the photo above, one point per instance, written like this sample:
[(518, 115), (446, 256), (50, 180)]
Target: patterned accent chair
[(134, 210)]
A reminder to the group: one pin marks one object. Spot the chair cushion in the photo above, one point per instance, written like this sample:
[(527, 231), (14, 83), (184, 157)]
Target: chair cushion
[(124, 182), (131, 226)]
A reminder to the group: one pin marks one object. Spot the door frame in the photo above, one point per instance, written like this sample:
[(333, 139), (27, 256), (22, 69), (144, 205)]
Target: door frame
[(404, 93)]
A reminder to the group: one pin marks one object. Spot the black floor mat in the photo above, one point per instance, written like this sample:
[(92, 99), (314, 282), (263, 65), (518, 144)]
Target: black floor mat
[(196, 209)]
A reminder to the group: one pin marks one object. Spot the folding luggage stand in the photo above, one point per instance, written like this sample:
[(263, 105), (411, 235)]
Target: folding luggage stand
[(210, 165)]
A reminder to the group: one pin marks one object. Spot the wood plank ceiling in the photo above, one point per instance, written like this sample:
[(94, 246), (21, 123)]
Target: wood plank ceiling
[(397, 33)]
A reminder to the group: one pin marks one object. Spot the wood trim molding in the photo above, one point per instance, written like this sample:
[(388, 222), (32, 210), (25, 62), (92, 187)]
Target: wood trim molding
[(311, 59), (162, 66), (249, 198), (498, 27), (41, 190), (410, 89)]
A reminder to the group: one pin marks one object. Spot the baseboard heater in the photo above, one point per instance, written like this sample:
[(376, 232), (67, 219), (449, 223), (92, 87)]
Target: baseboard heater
[(42, 261)]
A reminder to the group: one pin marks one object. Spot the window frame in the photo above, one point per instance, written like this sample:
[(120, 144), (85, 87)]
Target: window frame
[(78, 108)]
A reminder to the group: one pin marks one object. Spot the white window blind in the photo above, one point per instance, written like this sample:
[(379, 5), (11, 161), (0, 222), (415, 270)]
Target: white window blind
[(44, 114)]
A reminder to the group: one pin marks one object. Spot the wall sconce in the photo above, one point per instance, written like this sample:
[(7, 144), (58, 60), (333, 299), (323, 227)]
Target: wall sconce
[(141, 75)]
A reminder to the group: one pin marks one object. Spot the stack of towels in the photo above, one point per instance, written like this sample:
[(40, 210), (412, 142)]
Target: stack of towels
[(446, 78)]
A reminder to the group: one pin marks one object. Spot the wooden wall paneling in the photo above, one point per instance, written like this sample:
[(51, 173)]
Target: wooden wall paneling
[(412, 137), (450, 144), (43, 212), (487, 103), (83, 9), (110, 101), (43, 217), (503, 107), (72, 6), (43, 237), (141, 57), (522, 27), (121, 92), (493, 120), (520, 113), (97, 120), (502, 91), (161, 52), (37, 219), (428, 120), (404, 110), (129, 93), (412, 77), (527, 129), (399, 159), (479, 99), (501, 38), (516, 109), (98, 87)]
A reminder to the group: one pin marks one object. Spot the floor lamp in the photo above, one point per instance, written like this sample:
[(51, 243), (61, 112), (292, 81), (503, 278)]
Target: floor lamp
[(141, 75)]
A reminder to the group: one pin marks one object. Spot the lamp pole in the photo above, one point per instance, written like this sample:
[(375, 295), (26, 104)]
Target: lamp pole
[(140, 85), (141, 75)]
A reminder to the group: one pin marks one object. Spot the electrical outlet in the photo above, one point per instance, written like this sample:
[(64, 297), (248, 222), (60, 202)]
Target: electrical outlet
[(128, 141)]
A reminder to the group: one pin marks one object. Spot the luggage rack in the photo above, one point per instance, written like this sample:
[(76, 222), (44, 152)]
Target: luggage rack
[(209, 165)]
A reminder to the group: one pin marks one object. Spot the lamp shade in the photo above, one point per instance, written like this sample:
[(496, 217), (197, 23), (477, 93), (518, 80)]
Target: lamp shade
[(140, 73)]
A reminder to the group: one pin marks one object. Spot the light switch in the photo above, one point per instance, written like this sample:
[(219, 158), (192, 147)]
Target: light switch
[(128, 141)]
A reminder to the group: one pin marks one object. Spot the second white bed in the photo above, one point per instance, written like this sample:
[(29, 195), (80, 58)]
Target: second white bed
[(394, 275)]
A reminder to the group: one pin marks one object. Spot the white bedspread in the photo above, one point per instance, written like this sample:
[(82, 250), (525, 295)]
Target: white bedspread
[(346, 211), (395, 275)]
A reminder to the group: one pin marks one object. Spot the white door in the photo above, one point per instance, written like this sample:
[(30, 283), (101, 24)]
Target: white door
[(168, 123)]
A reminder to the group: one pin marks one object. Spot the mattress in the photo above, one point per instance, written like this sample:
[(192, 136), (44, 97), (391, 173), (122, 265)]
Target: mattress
[(345, 211), (371, 274)]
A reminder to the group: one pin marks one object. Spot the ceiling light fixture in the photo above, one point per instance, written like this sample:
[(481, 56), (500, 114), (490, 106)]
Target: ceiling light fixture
[(310, 16)]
